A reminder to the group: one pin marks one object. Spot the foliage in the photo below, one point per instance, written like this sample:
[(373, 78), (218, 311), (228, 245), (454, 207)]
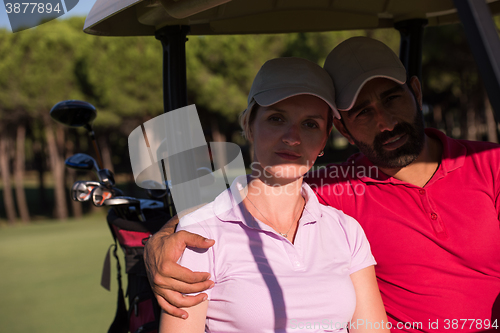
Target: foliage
[(122, 77)]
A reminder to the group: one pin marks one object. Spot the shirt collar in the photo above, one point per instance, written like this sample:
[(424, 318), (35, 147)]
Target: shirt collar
[(228, 207), (452, 158)]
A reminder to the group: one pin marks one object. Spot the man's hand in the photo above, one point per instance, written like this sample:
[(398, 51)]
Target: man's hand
[(167, 278)]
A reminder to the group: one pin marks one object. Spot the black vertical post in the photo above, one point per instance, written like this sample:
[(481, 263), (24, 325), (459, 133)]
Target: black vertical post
[(410, 50), (483, 40), (173, 40)]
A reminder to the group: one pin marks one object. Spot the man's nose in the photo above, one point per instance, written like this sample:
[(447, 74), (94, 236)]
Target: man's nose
[(292, 135), (386, 121)]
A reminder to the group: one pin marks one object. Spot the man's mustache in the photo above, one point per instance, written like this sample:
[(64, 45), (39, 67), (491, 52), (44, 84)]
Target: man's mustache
[(400, 128)]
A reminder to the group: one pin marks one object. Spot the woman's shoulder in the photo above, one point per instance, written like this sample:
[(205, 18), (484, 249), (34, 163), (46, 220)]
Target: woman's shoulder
[(344, 221), (208, 215), (203, 214)]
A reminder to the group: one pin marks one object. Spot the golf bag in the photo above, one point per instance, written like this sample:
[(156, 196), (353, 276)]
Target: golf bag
[(143, 312)]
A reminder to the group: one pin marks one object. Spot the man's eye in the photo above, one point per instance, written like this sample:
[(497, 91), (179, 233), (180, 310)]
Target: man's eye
[(362, 112), (391, 98)]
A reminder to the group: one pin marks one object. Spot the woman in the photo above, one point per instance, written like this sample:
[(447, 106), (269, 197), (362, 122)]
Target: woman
[(281, 261)]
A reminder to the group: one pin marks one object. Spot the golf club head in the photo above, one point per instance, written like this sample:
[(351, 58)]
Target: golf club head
[(106, 177), (100, 194), (74, 113), (81, 190), (150, 204), (129, 202), (81, 162)]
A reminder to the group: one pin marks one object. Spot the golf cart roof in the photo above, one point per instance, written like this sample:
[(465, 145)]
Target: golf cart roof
[(214, 17)]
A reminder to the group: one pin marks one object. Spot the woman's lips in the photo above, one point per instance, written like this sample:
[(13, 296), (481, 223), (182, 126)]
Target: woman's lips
[(288, 155)]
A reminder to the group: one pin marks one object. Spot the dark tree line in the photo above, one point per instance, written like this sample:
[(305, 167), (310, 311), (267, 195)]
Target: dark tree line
[(122, 77)]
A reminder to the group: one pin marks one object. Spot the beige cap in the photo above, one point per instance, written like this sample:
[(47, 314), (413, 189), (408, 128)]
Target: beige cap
[(282, 78), (357, 60)]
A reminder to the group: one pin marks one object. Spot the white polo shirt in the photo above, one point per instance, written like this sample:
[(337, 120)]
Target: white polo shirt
[(263, 282)]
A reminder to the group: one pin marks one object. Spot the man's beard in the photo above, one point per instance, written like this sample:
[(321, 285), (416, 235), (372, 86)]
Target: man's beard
[(402, 156)]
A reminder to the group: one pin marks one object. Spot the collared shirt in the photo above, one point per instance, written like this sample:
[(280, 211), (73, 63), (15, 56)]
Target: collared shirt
[(263, 282), (437, 246)]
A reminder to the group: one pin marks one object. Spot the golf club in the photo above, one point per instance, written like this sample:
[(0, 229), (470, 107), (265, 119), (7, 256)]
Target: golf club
[(75, 113)]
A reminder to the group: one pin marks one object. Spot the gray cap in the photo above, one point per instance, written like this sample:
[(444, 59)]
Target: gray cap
[(282, 78), (357, 60)]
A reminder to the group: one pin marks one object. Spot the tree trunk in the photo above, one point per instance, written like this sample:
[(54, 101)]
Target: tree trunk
[(217, 136), (491, 124), (449, 124), (106, 154), (22, 205), (471, 127), (8, 198), (57, 167), (437, 117), (38, 149), (76, 207)]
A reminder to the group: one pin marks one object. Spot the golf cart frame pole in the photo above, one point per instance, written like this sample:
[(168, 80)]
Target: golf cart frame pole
[(410, 49), (482, 36), (173, 40)]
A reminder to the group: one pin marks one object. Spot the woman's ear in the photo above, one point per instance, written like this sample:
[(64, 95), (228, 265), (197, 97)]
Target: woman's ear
[(339, 125)]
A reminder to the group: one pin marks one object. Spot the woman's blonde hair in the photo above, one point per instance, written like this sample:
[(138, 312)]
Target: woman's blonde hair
[(246, 119)]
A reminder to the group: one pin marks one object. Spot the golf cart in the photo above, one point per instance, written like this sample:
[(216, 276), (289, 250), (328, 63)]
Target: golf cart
[(170, 21)]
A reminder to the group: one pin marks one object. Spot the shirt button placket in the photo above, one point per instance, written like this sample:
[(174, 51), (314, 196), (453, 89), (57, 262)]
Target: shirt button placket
[(293, 255), (438, 228)]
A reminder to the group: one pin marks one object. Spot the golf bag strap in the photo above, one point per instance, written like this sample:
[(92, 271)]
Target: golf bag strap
[(120, 323), (106, 270)]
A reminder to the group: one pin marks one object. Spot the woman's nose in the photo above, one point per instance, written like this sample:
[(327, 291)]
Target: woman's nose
[(292, 136)]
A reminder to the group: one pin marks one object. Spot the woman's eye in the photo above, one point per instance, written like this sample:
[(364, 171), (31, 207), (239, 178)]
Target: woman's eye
[(311, 124), (275, 118)]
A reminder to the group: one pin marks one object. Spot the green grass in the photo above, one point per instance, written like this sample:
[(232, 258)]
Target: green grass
[(50, 277)]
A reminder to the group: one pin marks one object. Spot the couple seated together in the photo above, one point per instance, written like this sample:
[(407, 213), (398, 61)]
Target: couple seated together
[(281, 259), (282, 249)]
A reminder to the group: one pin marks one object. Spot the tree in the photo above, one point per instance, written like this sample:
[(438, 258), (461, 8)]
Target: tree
[(452, 85), (46, 65), (7, 95)]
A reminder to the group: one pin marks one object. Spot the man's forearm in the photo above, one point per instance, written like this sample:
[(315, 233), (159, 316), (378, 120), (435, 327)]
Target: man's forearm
[(154, 247)]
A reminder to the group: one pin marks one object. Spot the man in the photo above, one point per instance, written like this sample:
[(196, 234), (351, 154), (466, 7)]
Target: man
[(428, 203)]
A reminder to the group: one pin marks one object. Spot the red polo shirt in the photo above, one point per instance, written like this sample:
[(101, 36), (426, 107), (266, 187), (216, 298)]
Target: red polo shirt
[(437, 246)]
